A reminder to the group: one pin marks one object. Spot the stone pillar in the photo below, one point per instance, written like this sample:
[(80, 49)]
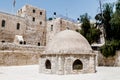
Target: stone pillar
[(92, 63), (60, 66)]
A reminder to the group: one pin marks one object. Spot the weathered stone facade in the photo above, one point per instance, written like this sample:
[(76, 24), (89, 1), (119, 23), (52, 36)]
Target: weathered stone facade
[(59, 24), (110, 61), (68, 53), (30, 22), (63, 64), (12, 54), (25, 34)]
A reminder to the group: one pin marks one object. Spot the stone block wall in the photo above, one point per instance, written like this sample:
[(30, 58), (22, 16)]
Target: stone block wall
[(63, 64), (110, 61), (11, 54), (56, 25)]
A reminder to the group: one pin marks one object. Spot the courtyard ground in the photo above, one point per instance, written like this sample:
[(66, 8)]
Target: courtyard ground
[(31, 72)]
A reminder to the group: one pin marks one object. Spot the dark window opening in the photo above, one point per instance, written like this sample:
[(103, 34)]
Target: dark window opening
[(77, 65), (3, 23), (18, 26), (48, 64), (20, 42), (33, 10), (33, 18), (40, 13), (38, 44), (40, 23), (51, 27), (3, 41), (24, 42)]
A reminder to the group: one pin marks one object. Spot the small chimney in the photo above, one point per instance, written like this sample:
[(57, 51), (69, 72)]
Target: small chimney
[(78, 20), (54, 16)]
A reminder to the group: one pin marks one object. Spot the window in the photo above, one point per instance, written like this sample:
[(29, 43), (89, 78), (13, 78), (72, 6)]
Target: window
[(40, 13), (24, 42), (3, 23), (38, 43), (33, 10), (48, 64), (33, 18), (3, 41), (18, 26), (20, 42), (77, 65), (41, 23), (51, 27)]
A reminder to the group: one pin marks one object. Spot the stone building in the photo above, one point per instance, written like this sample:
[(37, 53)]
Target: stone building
[(68, 53), (30, 23), (59, 24)]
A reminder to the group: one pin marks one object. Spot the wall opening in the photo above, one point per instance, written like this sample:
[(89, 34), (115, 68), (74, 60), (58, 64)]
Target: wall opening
[(3, 41), (77, 65), (38, 43), (51, 27), (24, 42), (33, 10), (20, 42), (3, 23), (18, 26), (33, 19), (40, 13), (41, 23), (48, 64)]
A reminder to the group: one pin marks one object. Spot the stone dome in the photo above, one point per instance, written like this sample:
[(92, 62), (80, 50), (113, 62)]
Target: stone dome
[(68, 42)]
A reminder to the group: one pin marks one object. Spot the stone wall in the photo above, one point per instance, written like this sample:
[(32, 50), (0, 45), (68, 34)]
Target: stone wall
[(56, 25), (110, 61), (63, 64), (11, 54), (33, 31)]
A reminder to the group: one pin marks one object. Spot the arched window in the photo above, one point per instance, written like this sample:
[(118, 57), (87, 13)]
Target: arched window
[(77, 65), (48, 64), (3, 23), (18, 26)]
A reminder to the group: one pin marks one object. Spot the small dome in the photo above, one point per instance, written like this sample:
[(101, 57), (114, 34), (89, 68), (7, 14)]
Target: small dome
[(68, 42)]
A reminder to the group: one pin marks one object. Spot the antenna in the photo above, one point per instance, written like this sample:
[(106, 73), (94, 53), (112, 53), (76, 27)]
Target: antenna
[(100, 3)]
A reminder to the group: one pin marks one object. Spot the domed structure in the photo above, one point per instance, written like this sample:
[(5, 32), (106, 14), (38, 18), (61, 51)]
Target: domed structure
[(68, 41), (68, 53)]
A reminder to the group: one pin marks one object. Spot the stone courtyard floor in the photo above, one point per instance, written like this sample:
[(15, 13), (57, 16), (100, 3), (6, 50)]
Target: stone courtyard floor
[(31, 72)]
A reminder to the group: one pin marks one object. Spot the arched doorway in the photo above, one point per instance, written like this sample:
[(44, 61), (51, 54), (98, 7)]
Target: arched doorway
[(77, 65), (48, 64)]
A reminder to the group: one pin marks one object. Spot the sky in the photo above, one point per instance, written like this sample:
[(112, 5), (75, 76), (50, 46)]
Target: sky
[(69, 8)]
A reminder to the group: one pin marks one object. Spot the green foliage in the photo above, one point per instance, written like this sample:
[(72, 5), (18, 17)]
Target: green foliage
[(115, 22), (88, 30), (108, 50)]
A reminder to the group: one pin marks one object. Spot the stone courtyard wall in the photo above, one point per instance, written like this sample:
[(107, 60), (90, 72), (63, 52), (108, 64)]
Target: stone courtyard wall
[(11, 54), (110, 61)]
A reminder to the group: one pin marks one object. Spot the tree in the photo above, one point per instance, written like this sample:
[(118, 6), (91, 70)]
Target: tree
[(89, 32), (115, 22), (103, 18), (113, 40)]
